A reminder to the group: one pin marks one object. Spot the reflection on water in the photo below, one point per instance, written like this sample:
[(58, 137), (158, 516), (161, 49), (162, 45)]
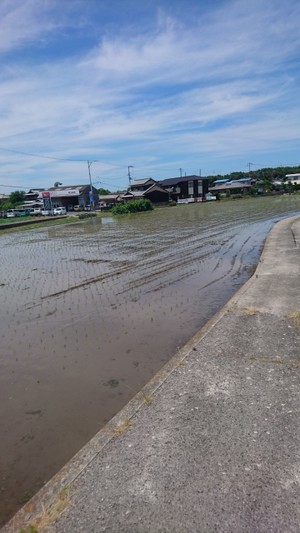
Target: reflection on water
[(90, 311), (109, 220)]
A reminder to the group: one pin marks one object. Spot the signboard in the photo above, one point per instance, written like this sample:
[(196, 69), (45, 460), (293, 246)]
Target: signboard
[(46, 194), (47, 203), (66, 192)]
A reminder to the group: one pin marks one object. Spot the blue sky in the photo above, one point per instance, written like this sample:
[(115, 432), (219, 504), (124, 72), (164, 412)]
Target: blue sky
[(159, 85)]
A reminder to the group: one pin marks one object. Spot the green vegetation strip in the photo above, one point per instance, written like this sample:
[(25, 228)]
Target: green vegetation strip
[(11, 220), (39, 224), (134, 206)]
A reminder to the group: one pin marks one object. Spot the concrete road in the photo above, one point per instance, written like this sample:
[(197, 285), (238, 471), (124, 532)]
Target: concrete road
[(212, 443)]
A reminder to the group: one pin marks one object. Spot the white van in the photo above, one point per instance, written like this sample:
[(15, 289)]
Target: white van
[(59, 211)]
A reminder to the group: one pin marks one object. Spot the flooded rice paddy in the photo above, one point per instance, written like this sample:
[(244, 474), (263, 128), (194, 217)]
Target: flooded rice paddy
[(91, 310)]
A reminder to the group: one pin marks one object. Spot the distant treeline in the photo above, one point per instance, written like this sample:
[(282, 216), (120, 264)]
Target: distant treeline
[(263, 174)]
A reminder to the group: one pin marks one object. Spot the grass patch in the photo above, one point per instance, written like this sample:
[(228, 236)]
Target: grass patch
[(51, 514), (250, 311), (146, 397), (122, 428), (15, 219), (295, 316), (29, 529)]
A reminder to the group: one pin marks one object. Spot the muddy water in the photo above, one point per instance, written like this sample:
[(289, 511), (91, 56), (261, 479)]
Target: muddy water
[(90, 311)]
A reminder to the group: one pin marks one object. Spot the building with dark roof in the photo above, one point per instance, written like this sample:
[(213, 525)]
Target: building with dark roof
[(146, 188), (186, 187)]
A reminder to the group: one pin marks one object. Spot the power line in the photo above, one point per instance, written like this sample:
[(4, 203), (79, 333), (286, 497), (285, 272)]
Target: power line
[(29, 154), (42, 156), (109, 184), (14, 186)]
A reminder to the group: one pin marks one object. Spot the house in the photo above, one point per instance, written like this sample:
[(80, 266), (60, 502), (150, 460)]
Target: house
[(33, 194), (293, 178), (146, 188), (70, 195), (233, 186), (188, 188), (33, 199), (109, 200)]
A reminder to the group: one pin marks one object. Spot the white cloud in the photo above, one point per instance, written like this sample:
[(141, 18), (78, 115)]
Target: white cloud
[(221, 85), (23, 21)]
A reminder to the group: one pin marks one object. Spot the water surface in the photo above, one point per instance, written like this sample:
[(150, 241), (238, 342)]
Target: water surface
[(90, 311)]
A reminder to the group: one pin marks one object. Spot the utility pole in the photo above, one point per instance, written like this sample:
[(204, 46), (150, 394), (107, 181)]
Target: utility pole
[(180, 170), (199, 172), (249, 165), (129, 175), (92, 203)]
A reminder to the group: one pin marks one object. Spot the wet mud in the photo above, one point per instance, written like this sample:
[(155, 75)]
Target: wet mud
[(90, 311)]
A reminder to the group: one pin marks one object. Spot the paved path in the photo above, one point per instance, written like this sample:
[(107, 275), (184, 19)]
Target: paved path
[(213, 441)]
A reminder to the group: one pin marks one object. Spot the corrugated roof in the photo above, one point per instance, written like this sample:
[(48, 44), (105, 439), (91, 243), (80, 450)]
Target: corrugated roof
[(230, 185), (68, 187)]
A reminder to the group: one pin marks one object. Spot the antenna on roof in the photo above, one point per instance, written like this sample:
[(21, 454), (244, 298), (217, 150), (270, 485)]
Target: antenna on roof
[(57, 184)]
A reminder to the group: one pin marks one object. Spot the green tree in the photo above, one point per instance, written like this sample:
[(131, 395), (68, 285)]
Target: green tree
[(103, 192), (17, 197)]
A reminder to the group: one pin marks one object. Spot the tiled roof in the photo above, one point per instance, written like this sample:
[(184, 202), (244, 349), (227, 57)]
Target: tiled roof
[(174, 181), (141, 182)]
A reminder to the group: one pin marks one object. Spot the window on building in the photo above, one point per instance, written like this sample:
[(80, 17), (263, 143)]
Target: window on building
[(191, 188), (200, 188)]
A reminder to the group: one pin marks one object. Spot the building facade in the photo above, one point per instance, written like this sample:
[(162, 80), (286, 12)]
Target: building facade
[(69, 196), (192, 187)]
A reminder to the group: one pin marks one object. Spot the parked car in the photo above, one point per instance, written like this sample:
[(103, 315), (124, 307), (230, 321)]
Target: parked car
[(59, 211), (10, 213), (46, 213), (22, 212), (36, 211)]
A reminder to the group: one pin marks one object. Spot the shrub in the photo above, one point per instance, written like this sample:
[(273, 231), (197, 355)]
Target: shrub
[(134, 206)]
